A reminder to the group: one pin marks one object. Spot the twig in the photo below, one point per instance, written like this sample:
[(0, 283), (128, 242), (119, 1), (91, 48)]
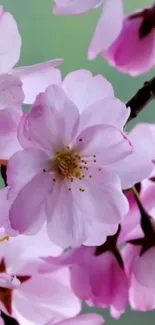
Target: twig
[(142, 98)]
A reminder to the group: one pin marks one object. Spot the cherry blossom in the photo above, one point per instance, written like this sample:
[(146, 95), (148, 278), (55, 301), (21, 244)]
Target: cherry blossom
[(97, 279), (40, 297), (138, 30), (34, 78), (108, 27), (64, 141), (130, 227), (68, 161)]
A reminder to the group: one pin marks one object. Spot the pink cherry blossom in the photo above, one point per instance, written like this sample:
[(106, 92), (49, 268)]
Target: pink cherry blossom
[(86, 319), (40, 297), (144, 135), (136, 30), (34, 78), (65, 162), (98, 280), (63, 124), (108, 27), (140, 269)]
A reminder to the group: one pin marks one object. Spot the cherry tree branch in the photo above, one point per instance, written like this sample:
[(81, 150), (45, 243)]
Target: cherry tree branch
[(142, 98)]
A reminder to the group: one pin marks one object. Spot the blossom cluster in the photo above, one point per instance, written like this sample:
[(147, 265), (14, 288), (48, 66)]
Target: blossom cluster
[(77, 209)]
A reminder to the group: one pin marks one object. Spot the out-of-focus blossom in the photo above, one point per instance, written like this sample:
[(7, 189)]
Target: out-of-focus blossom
[(108, 27), (40, 297), (86, 319), (98, 280), (133, 51), (140, 271), (34, 78), (144, 134), (64, 164)]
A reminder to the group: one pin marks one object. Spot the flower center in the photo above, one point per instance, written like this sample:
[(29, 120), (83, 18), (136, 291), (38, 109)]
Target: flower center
[(66, 164)]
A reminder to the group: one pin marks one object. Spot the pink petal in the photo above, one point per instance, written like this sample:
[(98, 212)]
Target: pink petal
[(35, 127), (106, 142), (108, 28), (39, 245), (4, 208), (52, 121), (107, 111), (141, 298), (135, 59), (60, 103), (83, 89), (1, 321), (76, 7), (9, 121), (24, 165), (80, 282), (102, 199), (65, 223), (27, 211), (9, 281), (10, 41), (98, 232), (38, 77), (138, 165), (11, 93), (24, 137), (51, 292), (85, 319), (144, 268)]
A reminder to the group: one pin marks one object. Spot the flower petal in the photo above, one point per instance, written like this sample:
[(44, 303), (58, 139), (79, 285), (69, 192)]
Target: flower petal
[(38, 77), (11, 93), (102, 199), (51, 123), (57, 295), (76, 7), (85, 319), (138, 165), (144, 268), (9, 121), (65, 223), (107, 111), (108, 28), (27, 211), (104, 142), (98, 232), (24, 165), (10, 41), (83, 89), (67, 111)]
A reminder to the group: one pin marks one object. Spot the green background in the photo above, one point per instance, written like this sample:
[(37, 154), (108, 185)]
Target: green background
[(46, 36)]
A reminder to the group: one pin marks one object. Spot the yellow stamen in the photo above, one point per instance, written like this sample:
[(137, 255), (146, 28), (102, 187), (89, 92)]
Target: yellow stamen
[(4, 238)]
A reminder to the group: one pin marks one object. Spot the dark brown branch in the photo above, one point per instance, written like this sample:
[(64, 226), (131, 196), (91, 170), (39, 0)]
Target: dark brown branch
[(8, 320), (142, 98)]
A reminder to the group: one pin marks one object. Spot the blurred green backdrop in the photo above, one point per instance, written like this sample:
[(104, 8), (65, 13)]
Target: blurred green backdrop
[(46, 36)]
